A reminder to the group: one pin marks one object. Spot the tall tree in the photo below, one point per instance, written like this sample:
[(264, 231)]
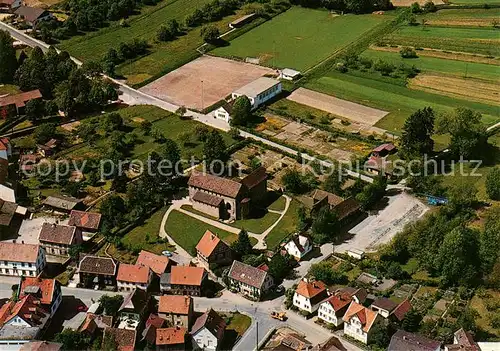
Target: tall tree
[(214, 149), (72, 340), (490, 241), (334, 182), (411, 322), (324, 226), (493, 184), (417, 133), (241, 112), (242, 246), (8, 60), (112, 210)]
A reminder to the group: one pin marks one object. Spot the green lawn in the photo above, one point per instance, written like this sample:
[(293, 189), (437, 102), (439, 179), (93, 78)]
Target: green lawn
[(278, 205), (145, 236), (300, 37), (187, 231), (285, 227), (257, 225), (454, 14), (440, 65), (476, 40), (397, 99), (237, 326)]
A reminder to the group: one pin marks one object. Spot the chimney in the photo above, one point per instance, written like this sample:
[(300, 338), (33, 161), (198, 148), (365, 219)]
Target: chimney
[(177, 327), (22, 241), (14, 241)]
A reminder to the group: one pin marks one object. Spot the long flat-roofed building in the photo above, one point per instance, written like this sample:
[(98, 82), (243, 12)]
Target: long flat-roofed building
[(259, 91)]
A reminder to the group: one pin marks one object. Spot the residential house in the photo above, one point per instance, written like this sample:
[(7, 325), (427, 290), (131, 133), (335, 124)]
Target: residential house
[(309, 295), (97, 272), (259, 91), (11, 218), (399, 313), (250, 281), (176, 310), (334, 308), (171, 339), (17, 102), (358, 295), (332, 344), (403, 340), (153, 323), (130, 277), (344, 208), (63, 204), (134, 309), (289, 74), (208, 331), (358, 322), (463, 341), (124, 338), (384, 150), (384, 306), (33, 15), (47, 291), (183, 280), (21, 259), (95, 324), (5, 148), (9, 6), (299, 246), (224, 111), (57, 239), (158, 264), (41, 346), (21, 321), (27, 164), (212, 250), (226, 198), (87, 222)]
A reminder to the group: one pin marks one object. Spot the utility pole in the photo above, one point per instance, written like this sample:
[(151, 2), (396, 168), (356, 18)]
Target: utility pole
[(257, 336)]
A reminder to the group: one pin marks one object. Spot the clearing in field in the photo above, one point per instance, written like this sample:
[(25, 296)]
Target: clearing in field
[(339, 107), (300, 37), (477, 40), (204, 81), (470, 89)]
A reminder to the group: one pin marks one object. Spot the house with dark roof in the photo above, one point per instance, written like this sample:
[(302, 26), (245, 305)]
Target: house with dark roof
[(47, 291), (250, 281), (177, 310), (86, 221), (464, 341), (309, 295), (171, 339), (403, 340), (153, 323), (399, 313), (224, 111), (384, 306), (9, 5), (212, 250), (63, 204), (124, 338), (32, 15), (157, 263), (17, 102), (384, 150), (95, 271), (344, 208), (358, 322), (225, 198), (134, 310), (20, 259), (332, 309), (358, 295), (208, 331), (57, 239), (183, 280), (11, 217), (299, 246)]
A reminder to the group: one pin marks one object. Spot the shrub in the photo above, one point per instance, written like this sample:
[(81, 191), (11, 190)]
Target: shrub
[(407, 52), (384, 67)]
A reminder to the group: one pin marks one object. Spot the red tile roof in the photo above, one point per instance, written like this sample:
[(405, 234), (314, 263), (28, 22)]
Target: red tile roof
[(218, 185), (208, 243), (133, 273), (41, 345), (254, 178), (311, 289), (401, 310), (339, 301), (20, 99), (155, 320), (57, 233), (85, 220), (28, 308), (366, 316), (170, 336), (157, 263), (387, 147), (18, 252), (186, 275), (46, 286), (207, 199), (175, 304)]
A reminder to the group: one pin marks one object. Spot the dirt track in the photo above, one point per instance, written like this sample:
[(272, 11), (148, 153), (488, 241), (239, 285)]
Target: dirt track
[(343, 108), (220, 78)]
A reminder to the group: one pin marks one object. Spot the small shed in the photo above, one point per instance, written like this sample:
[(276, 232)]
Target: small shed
[(290, 74)]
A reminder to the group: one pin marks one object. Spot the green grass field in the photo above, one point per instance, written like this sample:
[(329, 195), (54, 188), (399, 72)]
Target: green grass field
[(397, 99), (458, 14), (475, 2), (440, 65), (285, 227), (300, 37), (476, 40)]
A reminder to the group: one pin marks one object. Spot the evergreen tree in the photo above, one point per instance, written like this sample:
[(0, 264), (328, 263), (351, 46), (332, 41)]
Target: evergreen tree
[(411, 322), (242, 246), (241, 111), (493, 184), (8, 59)]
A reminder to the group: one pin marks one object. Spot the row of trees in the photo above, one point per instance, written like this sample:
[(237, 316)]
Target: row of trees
[(385, 68), (125, 51), (354, 6)]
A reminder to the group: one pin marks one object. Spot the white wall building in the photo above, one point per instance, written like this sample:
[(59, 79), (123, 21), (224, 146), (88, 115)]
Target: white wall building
[(223, 112), (333, 309), (130, 277), (309, 295), (299, 246), (289, 74), (208, 331), (358, 322), (259, 91), (21, 259)]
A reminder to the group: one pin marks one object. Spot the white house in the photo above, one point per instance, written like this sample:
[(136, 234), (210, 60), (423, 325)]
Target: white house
[(289, 74), (259, 91), (358, 322), (299, 246), (224, 112), (208, 331), (309, 295), (248, 280), (21, 259), (333, 309), (130, 277)]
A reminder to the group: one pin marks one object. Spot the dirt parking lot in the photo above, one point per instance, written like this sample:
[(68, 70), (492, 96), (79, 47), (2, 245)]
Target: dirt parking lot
[(204, 81), (339, 107)]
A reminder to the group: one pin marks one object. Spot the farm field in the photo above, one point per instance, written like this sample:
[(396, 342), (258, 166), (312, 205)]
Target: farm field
[(477, 40), (397, 99), (163, 56), (463, 17), (433, 64), (296, 38)]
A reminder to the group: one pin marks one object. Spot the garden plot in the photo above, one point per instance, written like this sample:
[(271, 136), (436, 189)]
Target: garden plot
[(339, 107)]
